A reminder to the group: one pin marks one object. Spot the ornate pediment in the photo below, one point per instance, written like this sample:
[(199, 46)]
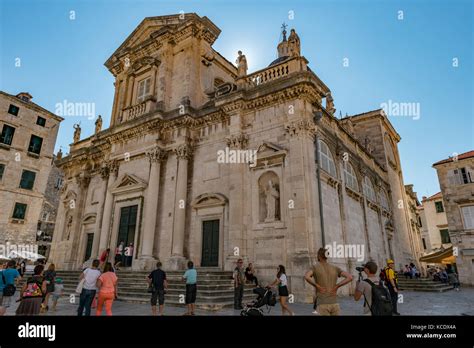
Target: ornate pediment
[(89, 219), (152, 32), (207, 200), (269, 155), (128, 183)]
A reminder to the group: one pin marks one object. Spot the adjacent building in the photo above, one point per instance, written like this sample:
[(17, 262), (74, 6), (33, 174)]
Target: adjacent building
[(27, 140), (434, 223), (456, 179), (157, 177)]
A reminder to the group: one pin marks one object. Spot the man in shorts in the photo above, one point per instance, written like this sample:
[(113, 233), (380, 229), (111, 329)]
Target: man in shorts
[(191, 288), (157, 281)]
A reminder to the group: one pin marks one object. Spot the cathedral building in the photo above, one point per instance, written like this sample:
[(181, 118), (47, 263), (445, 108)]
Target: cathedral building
[(205, 161)]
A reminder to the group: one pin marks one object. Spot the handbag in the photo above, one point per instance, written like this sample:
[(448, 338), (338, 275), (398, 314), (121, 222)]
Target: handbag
[(151, 288), (80, 286)]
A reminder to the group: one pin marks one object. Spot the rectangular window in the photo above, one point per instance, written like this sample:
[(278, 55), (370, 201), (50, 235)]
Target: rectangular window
[(41, 121), (7, 135), (439, 207), (460, 176), (20, 211), (468, 216), (27, 180), (424, 243), (35, 144), (12, 109), (2, 170), (59, 183), (144, 87), (445, 236)]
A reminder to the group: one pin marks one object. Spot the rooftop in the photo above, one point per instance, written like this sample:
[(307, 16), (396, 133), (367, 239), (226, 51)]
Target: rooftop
[(462, 156)]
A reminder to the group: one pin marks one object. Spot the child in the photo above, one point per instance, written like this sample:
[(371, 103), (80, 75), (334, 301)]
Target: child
[(58, 292)]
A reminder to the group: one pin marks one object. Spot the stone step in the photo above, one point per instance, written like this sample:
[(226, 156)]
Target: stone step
[(442, 289)]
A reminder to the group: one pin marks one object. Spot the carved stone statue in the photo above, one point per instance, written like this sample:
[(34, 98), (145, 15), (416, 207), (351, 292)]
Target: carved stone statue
[(98, 124), (59, 155), (241, 64), (272, 196), (77, 132), (294, 46), (68, 227)]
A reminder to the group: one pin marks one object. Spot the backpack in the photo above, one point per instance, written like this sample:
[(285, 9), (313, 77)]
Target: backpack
[(9, 289), (33, 289), (381, 300)]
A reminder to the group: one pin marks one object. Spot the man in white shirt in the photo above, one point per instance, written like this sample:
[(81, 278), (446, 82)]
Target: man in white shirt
[(89, 288)]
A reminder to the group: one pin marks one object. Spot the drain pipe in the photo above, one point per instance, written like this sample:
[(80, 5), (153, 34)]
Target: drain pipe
[(317, 118)]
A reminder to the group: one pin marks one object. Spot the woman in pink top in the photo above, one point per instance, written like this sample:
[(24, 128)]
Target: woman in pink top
[(107, 284)]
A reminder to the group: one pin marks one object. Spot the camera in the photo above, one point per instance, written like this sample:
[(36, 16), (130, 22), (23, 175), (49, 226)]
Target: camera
[(360, 269)]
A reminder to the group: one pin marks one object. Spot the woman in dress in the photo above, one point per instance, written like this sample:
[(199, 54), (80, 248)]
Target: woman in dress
[(32, 292), (282, 282)]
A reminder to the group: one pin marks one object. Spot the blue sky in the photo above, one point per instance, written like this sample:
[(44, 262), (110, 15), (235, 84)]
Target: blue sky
[(407, 60)]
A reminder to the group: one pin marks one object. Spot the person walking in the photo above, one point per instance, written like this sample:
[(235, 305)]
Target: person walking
[(32, 293), (452, 277), (89, 289), (129, 255), (58, 292), (158, 284), (107, 285), (9, 278), (389, 277), (50, 277), (191, 288), (239, 281), (119, 255), (323, 277), (250, 274), (282, 282), (104, 257)]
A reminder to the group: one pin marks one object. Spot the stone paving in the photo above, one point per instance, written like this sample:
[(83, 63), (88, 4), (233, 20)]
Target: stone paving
[(415, 303)]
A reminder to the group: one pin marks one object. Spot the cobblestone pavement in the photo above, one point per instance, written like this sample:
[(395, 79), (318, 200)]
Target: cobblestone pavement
[(415, 303)]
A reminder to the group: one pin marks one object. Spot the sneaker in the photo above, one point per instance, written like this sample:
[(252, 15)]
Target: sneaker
[(315, 312), (396, 313)]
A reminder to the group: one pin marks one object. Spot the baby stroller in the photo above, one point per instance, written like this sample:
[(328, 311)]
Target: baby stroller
[(265, 297)]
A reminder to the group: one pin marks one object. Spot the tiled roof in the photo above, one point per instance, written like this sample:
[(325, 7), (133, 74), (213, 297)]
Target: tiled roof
[(462, 156)]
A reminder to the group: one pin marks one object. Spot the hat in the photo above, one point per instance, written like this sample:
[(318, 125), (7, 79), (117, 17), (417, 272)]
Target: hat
[(59, 280), (389, 261)]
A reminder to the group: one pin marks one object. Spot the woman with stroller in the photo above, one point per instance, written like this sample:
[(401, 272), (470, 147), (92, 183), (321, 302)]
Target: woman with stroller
[(282, 282)]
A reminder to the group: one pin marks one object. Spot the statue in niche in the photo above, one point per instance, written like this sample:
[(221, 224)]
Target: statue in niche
[(77, 132), (241, 64), (68, 227), (98, 124), (272, 197)]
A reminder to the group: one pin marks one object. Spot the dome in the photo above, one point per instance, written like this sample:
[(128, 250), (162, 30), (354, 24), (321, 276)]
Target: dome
[(278, 60)]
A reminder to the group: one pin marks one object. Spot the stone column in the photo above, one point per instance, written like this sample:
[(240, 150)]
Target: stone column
[(104, 172), (183, 153), (155, 155), (107, 212)]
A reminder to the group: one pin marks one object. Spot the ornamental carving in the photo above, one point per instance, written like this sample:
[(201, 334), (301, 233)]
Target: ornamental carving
[(237, 141), (301, 128), (156, 154), (184, 151)]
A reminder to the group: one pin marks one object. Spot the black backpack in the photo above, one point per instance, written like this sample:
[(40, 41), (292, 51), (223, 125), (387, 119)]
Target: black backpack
[(381, 300), (9, 289)]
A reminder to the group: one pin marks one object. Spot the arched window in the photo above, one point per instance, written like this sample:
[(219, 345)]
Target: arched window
[(383, 199), (369, 189), (326, 160), (350, 177)]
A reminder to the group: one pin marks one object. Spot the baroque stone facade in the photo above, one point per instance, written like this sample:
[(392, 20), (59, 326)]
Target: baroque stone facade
[(456, 180), (28, 136), (152, 178)]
